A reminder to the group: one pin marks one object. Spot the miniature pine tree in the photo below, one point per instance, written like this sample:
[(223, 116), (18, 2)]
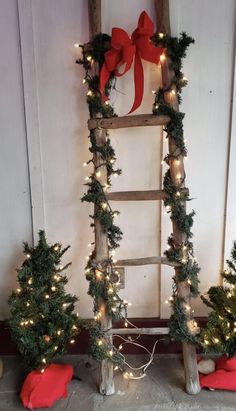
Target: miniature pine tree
[(42, 320), (219, 336)]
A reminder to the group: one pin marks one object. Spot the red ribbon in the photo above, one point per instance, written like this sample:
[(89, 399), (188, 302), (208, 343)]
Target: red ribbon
[(124, 50)]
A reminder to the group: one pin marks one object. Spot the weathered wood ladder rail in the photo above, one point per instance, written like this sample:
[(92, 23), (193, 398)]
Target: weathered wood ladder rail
[(99, 126)]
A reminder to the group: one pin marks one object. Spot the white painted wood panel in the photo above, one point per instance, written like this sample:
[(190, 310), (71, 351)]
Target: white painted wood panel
[(15, 212), (56, 115), (207, 103)]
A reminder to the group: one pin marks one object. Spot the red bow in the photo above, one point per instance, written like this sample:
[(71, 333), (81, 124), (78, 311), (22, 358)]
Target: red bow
[(124, 50)]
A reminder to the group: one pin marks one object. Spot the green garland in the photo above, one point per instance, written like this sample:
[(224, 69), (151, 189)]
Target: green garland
[(181, 328), (103, 278)]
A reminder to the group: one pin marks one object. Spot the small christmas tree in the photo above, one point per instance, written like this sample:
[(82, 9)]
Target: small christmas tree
[(219, 336), (42, 319)]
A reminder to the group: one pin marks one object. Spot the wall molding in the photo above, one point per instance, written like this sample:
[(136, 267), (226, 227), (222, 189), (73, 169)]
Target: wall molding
[(8, 347), (230, 202), (29, 78)]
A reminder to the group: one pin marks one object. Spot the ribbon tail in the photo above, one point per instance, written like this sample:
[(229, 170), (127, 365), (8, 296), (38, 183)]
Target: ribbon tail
[(104, 77), (138, 82)]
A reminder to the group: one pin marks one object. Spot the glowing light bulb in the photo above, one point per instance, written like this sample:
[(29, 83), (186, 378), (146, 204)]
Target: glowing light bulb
[(28, 256), (173, 92), (178, 194), (53, 288), (126, 324), (47, 296), (161, 35), (89, 58), (30, 281), (178, 176), (89, 93), (187, 307), (100, 342), (120, 347), (185, 78), (98, 174), (116, 368), (55, 348), (84, 81), (206, 342), (110, 353), (42, 370), (76, 45), (189, 282), (58, 332), (104, 206), (72, 341), (27, 304), (162, 57), (18, 290), (44, 360), (216, 340)]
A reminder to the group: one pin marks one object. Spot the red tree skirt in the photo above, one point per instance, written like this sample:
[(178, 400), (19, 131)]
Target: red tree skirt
[(224, 378), (41, 390)]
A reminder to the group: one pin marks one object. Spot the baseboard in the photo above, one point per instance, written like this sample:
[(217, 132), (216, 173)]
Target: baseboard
[(8, 347)]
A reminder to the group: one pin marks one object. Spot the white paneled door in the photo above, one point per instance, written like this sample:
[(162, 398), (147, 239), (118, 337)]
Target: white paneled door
[(43, 116)]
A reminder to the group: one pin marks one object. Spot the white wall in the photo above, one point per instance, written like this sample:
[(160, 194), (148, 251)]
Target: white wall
[(56, 114)]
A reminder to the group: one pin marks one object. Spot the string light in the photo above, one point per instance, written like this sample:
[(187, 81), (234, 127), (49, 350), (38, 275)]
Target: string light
[(161, 35), (216, 340), (18, 290), (104, 206), (28, 256), (44, 360), (72, 341), (30, 281), (162, 57), (100, 342), (89, 93), (76, 45), (84, 81), (98, 174), (58, 332), (173, 92), (56, 247), (55, 348), (47, 296), (89, 58), (53, 288)]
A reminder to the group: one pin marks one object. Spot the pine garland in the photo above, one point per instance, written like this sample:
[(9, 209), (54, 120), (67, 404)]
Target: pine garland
[(102, 278), (181, 328)]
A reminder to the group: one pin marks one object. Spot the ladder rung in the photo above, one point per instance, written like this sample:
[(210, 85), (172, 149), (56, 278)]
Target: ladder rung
[(146, 261), (136, 195), (128, 121), (143, 331)]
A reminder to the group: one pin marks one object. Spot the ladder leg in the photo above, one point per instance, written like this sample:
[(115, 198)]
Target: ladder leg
[(190, 369)]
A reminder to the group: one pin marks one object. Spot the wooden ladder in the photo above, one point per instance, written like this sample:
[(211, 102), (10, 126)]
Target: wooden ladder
[(99, 126)]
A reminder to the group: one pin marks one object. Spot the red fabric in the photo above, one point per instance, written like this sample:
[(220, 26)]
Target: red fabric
[(224, 378), (41, 390), (225, 363), (124, 50)]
